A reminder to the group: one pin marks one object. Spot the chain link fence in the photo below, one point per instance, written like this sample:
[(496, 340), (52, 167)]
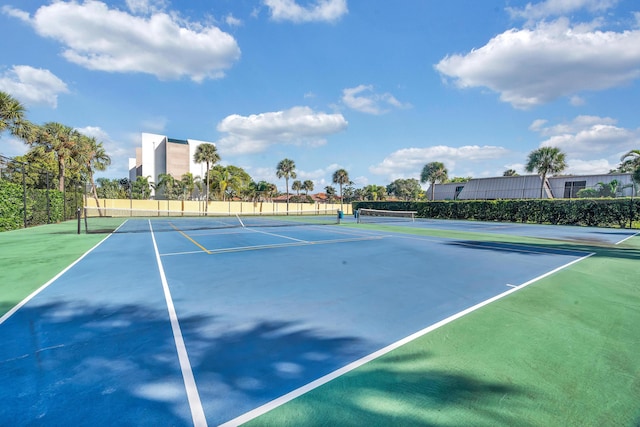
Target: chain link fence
[(30, 195)]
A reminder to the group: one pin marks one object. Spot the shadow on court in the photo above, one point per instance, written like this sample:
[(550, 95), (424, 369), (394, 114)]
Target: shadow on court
[(550, 247), (401, 390), (71, 364)]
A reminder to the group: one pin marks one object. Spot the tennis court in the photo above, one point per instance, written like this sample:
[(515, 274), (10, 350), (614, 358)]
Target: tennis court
[(195, 325)]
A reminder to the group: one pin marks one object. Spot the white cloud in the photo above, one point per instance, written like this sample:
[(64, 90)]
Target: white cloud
[(362, 98), (232, 21), (320, 10), (118, 151), (408, 162), (16, 13), (593, 144), (99, 38), (154, 124), (33, 86), (11, 146), (587, 135), (548, 8), (589, 167), (298, 125), (577, 101), (530, 67), (146, 6)]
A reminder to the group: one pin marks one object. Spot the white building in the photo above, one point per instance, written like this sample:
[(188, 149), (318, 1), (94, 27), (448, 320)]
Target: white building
[(159, 154), (528, 187)]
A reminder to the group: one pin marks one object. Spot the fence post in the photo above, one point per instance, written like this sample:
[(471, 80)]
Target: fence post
[(24, 194)]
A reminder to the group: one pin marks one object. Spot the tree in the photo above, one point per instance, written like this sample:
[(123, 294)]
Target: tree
[(630, 161), (168, 186), (510, 172), (375, 192), (286, 169), (405, 189), (13, 118), (460, 179), (141, 188), (229, 181), (42, 166), (297, 186), (62, 141), (111, 188), (208, 154), (545, 161), (341, 177), (307, 186), (433, 173), (331, 192), (601, 189), (188, 184), (259, 191), (93, 157)]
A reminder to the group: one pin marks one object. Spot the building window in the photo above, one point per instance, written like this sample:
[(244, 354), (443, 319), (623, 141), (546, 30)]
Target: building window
[(571, 188), (458, 191)]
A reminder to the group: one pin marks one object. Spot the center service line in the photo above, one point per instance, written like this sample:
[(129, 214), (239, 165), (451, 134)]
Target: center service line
[(197, 412)]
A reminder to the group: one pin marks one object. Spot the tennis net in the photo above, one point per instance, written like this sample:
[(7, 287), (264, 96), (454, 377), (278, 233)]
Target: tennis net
[(380, 215), (116, 220)]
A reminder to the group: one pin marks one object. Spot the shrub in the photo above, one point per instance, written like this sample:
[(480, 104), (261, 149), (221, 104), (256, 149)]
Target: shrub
[(601, 212)]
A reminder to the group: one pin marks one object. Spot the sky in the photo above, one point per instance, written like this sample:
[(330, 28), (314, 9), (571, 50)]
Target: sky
[(376, 87)]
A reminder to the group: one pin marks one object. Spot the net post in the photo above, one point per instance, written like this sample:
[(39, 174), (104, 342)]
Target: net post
[(338, 216), (78, 215)]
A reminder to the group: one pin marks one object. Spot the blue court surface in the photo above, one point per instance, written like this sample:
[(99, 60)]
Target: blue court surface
[(203, 326)]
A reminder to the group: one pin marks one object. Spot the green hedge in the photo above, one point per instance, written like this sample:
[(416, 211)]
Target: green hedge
[(587, 212), (12, 206)]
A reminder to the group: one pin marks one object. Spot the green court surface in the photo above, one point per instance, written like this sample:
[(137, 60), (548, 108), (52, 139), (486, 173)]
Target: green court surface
[(564, 351), (31, 257)]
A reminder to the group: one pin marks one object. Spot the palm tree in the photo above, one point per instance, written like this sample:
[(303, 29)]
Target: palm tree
[(341, 177), (208, 154), (297, 186), (307, 186), (272, 190), (168, 185), (12, 118), (141, 188), (375, 192), (188, 184), (93, 157), (630, 161), (331, 193), (286, 169), (433, 173), (62, 141), (546, 160)]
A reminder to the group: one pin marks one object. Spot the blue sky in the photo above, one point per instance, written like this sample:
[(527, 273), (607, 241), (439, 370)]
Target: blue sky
[(377, 87)]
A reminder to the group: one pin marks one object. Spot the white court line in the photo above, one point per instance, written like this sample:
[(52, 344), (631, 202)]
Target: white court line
[(358, 363), (195, 405), (277, 235), (43, 287), (627, 238), (275, 246)]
